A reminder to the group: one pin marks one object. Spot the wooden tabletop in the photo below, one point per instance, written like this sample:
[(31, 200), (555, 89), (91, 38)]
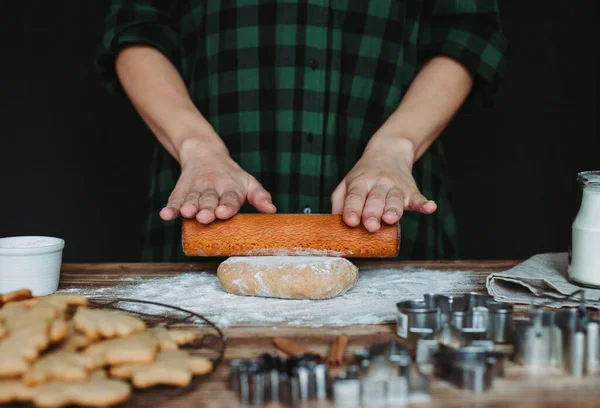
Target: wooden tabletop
[(517, 388)]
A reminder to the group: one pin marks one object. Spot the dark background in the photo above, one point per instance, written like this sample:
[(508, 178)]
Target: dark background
[(73, 160)]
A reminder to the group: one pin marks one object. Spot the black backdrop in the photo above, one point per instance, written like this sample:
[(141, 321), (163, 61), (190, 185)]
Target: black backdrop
[(73, 160)]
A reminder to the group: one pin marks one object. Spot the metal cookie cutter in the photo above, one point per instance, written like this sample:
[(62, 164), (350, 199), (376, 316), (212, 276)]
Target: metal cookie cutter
[(454, 319), (476, 315), (566, 339), (269, 378), (381, 374), (538, 341), (579, 341), (472, 368)]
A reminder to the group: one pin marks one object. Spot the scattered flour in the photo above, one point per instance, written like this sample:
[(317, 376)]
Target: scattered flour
[(372, 300), (282, 260), (296, 252)]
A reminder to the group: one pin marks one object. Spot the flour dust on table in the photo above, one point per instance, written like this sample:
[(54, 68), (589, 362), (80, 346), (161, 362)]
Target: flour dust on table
[(373, 299)]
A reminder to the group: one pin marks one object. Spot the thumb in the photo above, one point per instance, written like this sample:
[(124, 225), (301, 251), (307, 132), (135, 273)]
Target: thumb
[(418, 202), (337, 198), (259, 197)]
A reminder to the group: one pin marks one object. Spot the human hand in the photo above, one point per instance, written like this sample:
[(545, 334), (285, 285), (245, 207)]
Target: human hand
[(380, 187), (211, 186)]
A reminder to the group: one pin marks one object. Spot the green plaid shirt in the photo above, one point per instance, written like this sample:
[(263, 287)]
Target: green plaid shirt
[(296, 88)]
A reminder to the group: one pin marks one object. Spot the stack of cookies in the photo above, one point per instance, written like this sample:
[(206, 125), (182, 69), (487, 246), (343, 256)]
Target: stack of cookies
[(56, 351)]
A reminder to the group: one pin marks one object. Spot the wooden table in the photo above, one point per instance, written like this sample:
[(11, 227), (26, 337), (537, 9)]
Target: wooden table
[(517, 388)]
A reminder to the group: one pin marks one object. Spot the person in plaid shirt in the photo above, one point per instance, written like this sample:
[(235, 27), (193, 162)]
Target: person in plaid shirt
[(310, 106)]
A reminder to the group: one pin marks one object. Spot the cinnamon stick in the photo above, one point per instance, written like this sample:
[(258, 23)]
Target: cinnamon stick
[(335, 358), (289, 347)]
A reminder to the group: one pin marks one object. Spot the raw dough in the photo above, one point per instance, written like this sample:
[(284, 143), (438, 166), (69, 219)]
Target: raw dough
[(288, 277)]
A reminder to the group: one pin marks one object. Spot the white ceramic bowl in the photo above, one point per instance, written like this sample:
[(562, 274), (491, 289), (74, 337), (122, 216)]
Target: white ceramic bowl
[(30, 262)]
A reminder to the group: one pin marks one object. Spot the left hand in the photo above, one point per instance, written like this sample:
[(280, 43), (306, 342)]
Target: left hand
[(380, 187)]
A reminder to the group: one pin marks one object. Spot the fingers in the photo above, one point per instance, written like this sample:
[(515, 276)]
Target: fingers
[(394, 206), (200, 199), (260, 198), (230, 203), (207, 204), (380, 204), (337, 198), (200, 203), (354, 204), (373, 210), (176, 199)]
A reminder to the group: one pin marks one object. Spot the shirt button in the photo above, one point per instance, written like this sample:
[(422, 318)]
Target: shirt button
[(314, 64), (307, 210)]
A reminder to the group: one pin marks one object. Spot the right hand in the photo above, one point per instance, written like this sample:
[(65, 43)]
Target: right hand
[(212, 185)]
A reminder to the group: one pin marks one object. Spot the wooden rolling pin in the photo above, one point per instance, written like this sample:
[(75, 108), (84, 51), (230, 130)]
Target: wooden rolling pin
[(288, 234)]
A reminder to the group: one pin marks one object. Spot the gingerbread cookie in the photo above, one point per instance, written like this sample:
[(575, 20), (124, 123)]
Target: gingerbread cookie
[(31, 326), (62, 365), (165, 341), (20, 314), (171, 339), (75, 340), (15, 296), (14, 391), (97, 391), (98, 323), (56, 357), (58, 330), (170, 368), (139, 348), (59, 302), (182, 336), (20, 347)]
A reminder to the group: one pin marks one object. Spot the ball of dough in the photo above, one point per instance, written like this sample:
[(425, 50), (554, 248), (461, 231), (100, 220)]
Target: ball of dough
[(288, 277)]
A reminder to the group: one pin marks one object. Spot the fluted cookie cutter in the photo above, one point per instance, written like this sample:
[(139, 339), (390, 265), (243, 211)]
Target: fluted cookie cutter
[(380, 374), (565, 339), (288, 381)]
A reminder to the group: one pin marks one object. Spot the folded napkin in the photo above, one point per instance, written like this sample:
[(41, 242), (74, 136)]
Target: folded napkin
[(541, 279)]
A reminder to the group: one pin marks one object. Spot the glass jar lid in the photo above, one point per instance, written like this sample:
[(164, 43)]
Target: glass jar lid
[(589, 179)]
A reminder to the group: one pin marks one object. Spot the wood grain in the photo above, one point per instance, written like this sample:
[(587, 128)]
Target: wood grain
[(516, 389), (288, 234)]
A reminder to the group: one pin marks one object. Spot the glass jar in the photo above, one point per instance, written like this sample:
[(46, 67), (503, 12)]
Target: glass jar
[(584, 251)]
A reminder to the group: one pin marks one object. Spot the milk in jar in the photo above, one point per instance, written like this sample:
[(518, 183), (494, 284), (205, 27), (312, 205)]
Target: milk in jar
[(584, 253)]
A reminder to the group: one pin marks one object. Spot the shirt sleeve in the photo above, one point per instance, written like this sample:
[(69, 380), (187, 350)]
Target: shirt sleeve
[(127, 22), (468, 31)]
